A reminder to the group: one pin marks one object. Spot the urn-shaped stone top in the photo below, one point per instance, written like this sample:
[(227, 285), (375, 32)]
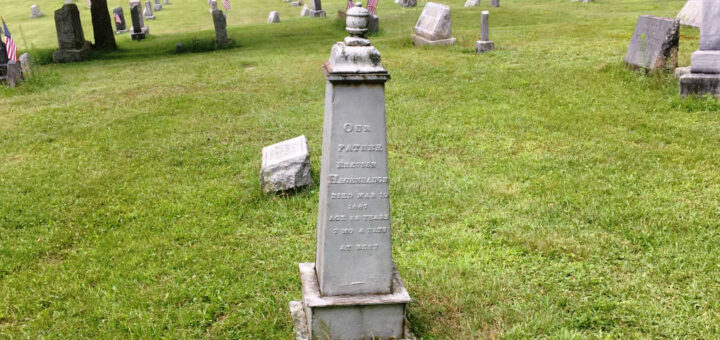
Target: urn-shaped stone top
[(356, 22)]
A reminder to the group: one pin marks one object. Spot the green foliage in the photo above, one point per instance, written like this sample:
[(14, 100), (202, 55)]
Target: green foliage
[(543, 190)]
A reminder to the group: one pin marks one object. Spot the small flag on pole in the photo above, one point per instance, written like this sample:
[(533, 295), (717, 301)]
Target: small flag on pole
[(349, 5), (9, 43), (117, 19), (226, 4), (372, 6)]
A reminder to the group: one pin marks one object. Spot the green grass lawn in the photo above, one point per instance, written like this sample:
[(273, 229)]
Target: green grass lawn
[(540, 191)]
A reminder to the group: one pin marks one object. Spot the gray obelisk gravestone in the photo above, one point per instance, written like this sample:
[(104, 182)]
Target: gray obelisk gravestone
[(353, 290), (119, 18), (704, 76), (138, 29), (220, 24), (316, 11), (484, 44), (148, 13), (71, 39)]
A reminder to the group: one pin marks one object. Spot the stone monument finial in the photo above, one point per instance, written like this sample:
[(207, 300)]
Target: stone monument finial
[(356, 22), (355, 54)]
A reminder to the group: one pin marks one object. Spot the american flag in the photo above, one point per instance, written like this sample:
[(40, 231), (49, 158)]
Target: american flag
[(372, 6), (349, 5), (9, 43), (117, 19), (226, 4)]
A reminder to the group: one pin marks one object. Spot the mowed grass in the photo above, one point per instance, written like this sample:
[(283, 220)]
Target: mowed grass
[(540, 191)]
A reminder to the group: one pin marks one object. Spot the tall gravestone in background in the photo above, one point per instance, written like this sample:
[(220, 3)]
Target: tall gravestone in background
[(138, 29), (316, 11), (71, 39), (704, 76), (691, 14), (157, 6), (148, 13), (353, 290), (434, 26), (102, 26), (119, 18), (654, 44), (35, 12), (484, 44), (220, 24)]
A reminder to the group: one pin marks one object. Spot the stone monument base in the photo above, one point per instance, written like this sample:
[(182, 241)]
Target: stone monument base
[(317, 14), (378, 316), (419, 41), (681, 71), (700, 84), (121, 31), (141, 35), (152, 17), (69, 56), (484, 46), (705, 62)]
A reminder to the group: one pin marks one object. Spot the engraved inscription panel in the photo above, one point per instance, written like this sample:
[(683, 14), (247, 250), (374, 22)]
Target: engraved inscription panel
[(354, 252), (285, 150)]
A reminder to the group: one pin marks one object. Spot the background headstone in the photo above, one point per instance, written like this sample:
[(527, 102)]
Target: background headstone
[(35, 12), (373, 23), (25, 60), (157, 6), (408, 3), (704, 76), (654, 44), (273, 17), (484, 44), (285, 165), (434, 27), (14, 73), (102, 26), (139, 30), (219, 21), (316, 11), (494, 3), (119, 18), (691, 14), (148, 13), (472, 3), (305, 12), (71, 39)]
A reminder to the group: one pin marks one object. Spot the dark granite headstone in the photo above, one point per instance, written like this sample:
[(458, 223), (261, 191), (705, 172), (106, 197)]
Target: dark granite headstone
[(220, 27), (102, 26), (120, 25), (138, 29), (3, 53), (71, 38), (654, 44)]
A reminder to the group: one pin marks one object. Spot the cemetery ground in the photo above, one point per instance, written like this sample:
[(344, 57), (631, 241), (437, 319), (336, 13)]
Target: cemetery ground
[(540, 190)]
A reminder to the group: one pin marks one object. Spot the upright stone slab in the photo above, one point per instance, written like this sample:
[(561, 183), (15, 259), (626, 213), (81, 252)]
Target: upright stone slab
[(286, 165), (71, 39), (484, 44), (353, 290), (654, 44), (157, 6), (373, 23), (119, 18), (305, 11), (434, 26), (704, 76), (26, 62), (316, 11), (472, 3), (35, 12), (166, 2), (102, 26), (273, 17), (494, 3), (138, 31), (220, 24), (14, 73), (148, 13), (691, 14)]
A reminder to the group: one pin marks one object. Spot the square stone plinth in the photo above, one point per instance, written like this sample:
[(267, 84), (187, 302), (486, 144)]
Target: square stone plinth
[(420, 41), (349, 317), (700, 84), (705, 62), (484, 46)]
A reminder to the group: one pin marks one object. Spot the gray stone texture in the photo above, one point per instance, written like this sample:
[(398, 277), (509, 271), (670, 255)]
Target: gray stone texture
[(373, 23), (71, 39), (219, 21), (710, 30), (305, 12), (434, 27), (122, 25), (285, 165), (26, 62), (494, 3), (14, 73), (316, 10), (35, 12), (148, 13), (700, 84), (273, 17), (704, 76), (484, 44), (157, 6), (691, 14), (654, 44), (472, 3), (408, 3)]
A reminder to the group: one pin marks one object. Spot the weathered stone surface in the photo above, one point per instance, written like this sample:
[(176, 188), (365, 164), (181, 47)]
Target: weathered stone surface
[(700, 84), (484, 44), (705, 62), (219, 21), (166, 2), (71, 39), (285, 165), (26, 62), (710, 30), (472, 3), (102, 26), (273, 17), (35, 12), (316, 10), (157, 6), (373, 23), (691, 14), (494, 3), (305, 12), (654, 44), (14, 73), (408, 3), (138, 30), (148, 13), (704, 76), (120, 24), (434, 26)]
